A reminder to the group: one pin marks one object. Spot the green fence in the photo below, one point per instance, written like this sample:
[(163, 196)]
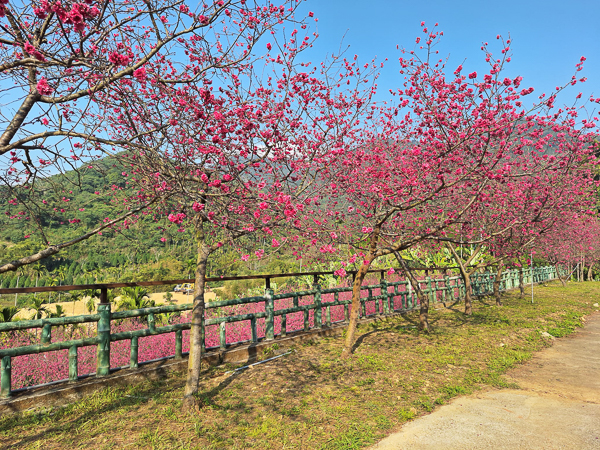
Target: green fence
[(387, 297)]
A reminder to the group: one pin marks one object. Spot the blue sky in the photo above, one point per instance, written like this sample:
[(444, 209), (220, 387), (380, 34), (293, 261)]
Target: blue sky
[(548, 37)]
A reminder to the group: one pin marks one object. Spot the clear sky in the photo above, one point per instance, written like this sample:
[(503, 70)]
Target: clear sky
[(548, 37)]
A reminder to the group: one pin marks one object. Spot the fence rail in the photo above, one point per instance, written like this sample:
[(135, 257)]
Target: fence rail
[(266, 277), (383, 298)]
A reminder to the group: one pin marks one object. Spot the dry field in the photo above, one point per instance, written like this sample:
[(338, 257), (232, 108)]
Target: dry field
[(78, 307)]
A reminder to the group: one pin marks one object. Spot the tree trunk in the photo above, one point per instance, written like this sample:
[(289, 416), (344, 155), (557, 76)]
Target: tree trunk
[(561, 278), (590, 275), (466, 276), (353, 319), (423, 309), (197, 322), (423, 299), (497, 284), (360, 276), (521, 283), (468, 298)]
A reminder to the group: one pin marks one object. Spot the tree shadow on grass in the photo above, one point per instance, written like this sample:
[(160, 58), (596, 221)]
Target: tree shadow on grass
[(207, 398), (483, 299), (131, 397), (126, 396), (361, 338), (394, 328)]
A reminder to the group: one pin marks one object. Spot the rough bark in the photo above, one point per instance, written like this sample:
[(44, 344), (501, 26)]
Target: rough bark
[(497, 280), (423, 299), (18, 119), (466, 276), (197, 323), (360, 276), (468, 298), (590, 275), (423, 309), (562, 279), (353, 319)]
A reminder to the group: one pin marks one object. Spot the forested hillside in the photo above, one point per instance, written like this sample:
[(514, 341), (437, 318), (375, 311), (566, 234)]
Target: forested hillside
[(150, 248)]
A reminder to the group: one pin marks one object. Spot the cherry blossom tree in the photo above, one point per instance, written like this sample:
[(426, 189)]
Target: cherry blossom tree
[(243, 151), (59, 61), (518, 211), (435, 156), (573, 241)]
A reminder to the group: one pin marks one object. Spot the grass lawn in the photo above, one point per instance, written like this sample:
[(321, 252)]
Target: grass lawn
[(310, 399)]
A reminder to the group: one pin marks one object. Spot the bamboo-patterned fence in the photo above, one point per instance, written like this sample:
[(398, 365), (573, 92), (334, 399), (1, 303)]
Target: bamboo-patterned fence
[(385, 297)]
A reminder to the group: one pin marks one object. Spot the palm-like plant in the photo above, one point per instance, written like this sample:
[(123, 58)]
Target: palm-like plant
[(38, 269), (8, 313), (90, 305), (135, 298), (93, 294), (167, 317), (190, 265), (53, 282), (38, 308), (62, 275), (60, 312)]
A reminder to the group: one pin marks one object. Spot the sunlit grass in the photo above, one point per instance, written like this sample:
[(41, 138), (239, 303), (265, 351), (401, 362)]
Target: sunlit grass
[(311, 399)]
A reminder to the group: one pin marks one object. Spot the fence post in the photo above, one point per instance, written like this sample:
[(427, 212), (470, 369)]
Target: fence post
[(133, 353), (73, 374), (363, 302), (432, 299), (318, 307), (46, 333), (151, 323), (253, 330), (223, 337), (448, 290), (103, 348), (386, 299), (6, 383), (270, 320), (178, 344)]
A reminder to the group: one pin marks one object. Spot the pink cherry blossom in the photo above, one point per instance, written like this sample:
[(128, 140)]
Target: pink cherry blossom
[(43, 88)]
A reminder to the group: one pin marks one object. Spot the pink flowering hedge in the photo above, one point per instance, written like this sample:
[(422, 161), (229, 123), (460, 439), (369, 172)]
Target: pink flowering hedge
[(30, 370)]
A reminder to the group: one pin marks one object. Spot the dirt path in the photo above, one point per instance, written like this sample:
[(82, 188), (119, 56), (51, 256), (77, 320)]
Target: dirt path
[(558, 406)]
